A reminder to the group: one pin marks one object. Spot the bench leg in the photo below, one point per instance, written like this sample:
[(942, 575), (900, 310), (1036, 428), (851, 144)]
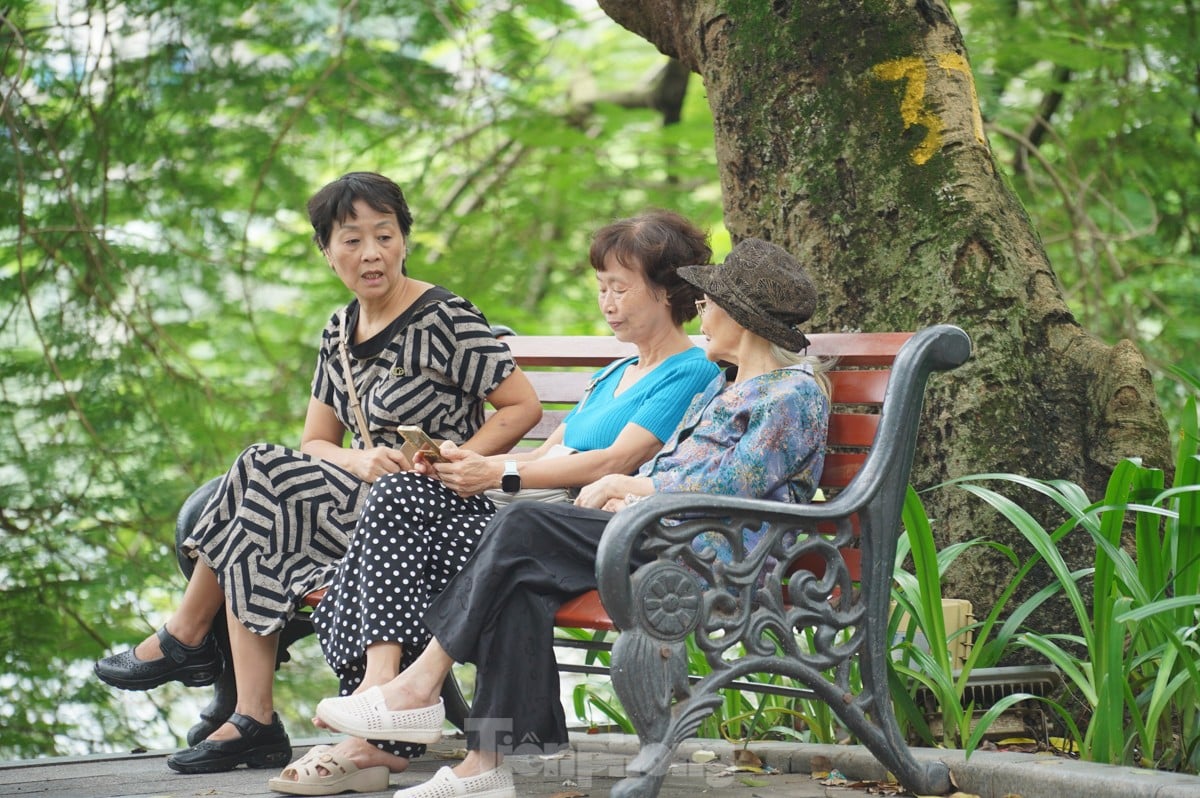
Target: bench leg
[(649, 676)]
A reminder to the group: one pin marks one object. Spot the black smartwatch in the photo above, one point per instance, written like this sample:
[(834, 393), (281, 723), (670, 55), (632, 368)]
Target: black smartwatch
[(510, 482)]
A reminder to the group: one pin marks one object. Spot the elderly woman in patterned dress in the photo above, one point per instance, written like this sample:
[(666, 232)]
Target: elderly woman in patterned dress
[(758, 431), (404, 351)]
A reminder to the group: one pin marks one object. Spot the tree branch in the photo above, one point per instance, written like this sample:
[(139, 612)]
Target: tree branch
[(1039, 125)]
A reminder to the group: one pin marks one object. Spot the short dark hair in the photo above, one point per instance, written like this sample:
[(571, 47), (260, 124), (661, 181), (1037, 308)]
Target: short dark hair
[(656, 242), (335, 203)]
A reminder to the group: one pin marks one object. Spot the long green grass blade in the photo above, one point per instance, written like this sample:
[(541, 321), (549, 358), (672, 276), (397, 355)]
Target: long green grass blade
[(925, 566), (1043, 544), (980, 727)]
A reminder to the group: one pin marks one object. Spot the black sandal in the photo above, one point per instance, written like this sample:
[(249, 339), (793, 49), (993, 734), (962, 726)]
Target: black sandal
[(260, 746), (195, 666)]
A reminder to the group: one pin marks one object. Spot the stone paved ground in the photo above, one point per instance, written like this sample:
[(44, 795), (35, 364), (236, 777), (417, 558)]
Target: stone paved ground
[(596, 763), (589, 773)]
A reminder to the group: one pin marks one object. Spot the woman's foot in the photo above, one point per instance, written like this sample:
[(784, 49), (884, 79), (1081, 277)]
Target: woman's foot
[(369, 715), (241, 741), (495, 783), (351, 765), (162, 658), (365, 755)]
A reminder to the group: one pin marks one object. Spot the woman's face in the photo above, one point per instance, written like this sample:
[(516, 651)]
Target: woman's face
[(723, 333), (367, 252), (634, 309)]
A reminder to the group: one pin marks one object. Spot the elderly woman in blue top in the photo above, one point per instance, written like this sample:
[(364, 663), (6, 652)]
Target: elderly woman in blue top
[(757, 431)]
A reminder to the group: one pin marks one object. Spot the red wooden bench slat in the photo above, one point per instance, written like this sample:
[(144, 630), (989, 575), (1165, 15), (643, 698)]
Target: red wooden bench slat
[(858, 349), (840, 468), (314, 598), (852, 429), (850, 349), (859, 387), (584, 612)]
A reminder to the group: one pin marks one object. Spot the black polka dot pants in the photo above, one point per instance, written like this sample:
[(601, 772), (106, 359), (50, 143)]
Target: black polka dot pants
[(413, 535)]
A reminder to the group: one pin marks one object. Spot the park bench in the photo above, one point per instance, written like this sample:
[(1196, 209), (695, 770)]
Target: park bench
[(822, 573)]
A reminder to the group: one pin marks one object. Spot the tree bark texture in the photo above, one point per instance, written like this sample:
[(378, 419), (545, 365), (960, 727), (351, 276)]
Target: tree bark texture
[(849, 133)]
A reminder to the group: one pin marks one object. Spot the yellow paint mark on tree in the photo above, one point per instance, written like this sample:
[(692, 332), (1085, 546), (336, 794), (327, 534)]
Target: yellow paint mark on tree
[(913, 109)]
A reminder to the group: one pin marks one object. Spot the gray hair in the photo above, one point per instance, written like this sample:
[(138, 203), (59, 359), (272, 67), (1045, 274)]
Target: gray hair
[(819, 365)]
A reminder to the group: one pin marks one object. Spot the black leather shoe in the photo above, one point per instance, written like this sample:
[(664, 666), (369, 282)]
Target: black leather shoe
[(195, 666), (260, 746)]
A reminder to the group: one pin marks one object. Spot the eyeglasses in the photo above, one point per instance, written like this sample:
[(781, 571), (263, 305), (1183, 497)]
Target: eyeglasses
[(701, 306)]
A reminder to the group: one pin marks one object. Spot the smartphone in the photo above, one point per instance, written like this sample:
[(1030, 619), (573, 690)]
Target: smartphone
[(417, 440)]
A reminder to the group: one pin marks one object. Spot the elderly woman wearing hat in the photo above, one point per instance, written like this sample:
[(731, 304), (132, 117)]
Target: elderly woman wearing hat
[(757, 431)]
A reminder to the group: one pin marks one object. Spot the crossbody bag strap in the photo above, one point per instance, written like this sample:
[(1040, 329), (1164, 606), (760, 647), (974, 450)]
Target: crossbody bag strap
[(355, 404), (599, 378)]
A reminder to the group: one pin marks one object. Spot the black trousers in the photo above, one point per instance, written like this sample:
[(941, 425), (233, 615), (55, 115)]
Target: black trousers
[(498, 613)]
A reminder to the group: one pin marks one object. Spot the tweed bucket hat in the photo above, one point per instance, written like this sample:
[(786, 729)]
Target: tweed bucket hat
[(763, 288)]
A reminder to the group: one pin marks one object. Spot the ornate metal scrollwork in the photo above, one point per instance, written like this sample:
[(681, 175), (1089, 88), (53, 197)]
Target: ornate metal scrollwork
[(667, 598)]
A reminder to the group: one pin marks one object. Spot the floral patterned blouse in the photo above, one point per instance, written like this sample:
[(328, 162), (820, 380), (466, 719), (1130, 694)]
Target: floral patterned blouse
[(763, 438)]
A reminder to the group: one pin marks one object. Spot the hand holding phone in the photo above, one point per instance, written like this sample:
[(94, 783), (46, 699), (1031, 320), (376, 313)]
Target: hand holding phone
[(416, 440)]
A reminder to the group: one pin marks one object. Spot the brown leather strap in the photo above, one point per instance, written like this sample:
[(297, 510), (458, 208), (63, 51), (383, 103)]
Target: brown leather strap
[(360, 418)]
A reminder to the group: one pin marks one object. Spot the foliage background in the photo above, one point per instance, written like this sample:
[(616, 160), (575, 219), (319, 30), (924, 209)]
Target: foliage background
[(160, 297)]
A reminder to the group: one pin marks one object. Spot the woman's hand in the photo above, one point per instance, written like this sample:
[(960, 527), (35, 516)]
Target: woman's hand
[(466, 472), (606, 492), (371, 464)]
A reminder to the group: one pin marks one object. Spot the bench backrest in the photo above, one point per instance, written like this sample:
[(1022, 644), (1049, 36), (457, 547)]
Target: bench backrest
[(560, 366)]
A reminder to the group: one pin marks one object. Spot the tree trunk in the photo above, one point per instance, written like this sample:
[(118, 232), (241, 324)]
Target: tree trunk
[(849, 133)]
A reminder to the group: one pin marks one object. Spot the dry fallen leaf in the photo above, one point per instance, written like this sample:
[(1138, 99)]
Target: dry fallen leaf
[(819, 766), (746, 758), (570, 794)]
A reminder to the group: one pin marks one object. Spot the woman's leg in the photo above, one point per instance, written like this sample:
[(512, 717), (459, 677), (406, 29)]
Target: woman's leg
[(383, 664), (420, 684), (192, 620), (253, 734), (412, 536), (254, 674), (191, 655), (546, 550), (517, 707), (499, 612)]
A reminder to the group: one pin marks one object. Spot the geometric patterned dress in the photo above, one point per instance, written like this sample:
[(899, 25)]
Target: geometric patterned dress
[(281, 519)]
